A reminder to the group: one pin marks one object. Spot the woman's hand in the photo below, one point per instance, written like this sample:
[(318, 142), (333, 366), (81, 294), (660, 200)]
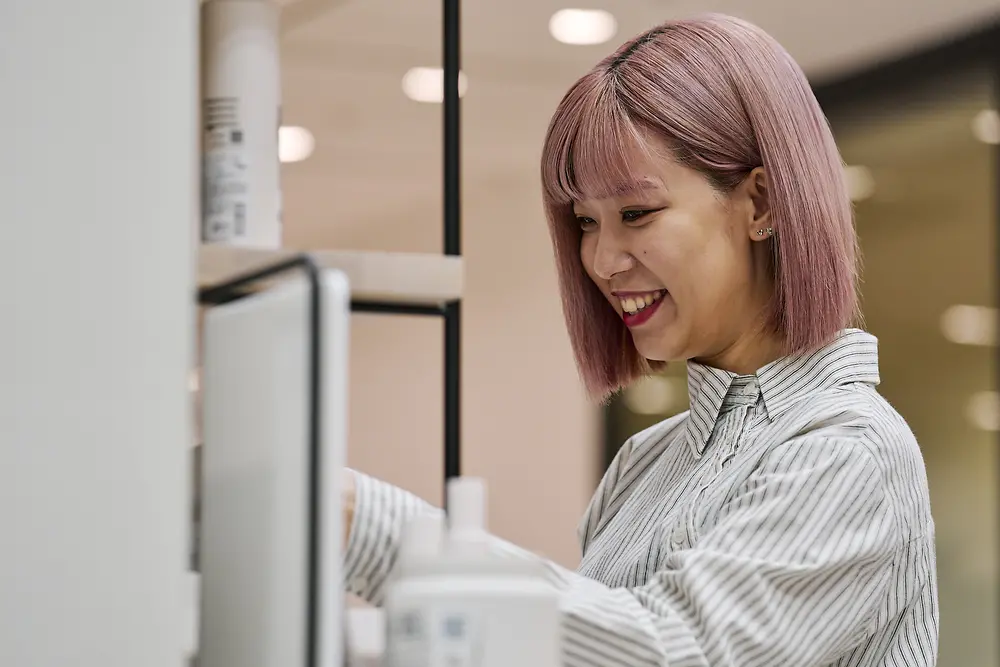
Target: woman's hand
[(347, 500)]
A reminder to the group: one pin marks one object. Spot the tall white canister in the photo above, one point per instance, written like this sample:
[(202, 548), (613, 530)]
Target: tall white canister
[(240, 120)]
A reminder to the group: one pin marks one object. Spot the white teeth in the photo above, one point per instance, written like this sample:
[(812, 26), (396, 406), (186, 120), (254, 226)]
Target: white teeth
[(632, 305)]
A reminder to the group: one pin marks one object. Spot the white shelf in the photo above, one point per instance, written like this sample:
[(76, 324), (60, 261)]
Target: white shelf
[(413, 278)]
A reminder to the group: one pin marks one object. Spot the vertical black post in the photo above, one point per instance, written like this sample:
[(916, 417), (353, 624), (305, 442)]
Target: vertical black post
[(452, 233), (452, 384), (995, 62), (452, 128)]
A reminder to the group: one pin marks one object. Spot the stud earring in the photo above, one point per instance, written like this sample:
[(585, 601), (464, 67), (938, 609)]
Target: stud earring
[(765, 232)]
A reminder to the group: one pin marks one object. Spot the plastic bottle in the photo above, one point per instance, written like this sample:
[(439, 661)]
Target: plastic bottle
[(467, 606), (365, 637), (240, 116)]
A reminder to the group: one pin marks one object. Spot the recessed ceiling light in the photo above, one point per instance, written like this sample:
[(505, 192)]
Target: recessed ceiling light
[(426, 84), (582, 26), (986, 126), (970, 325), (860, 182), (983, 410), (295, 144)]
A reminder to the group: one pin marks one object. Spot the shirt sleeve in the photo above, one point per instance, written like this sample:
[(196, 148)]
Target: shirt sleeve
[(792, 573)]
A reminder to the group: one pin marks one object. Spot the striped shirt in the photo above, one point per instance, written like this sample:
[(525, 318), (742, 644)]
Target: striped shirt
[(783, 520)]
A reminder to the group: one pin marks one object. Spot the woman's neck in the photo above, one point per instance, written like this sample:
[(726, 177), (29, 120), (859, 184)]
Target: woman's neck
[(755, 348)]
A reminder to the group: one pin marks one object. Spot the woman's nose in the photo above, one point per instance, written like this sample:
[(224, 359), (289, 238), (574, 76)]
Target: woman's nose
[(611, 257)]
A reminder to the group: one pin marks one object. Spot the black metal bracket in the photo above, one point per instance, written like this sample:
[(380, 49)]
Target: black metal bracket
[(452, 313), (242, 286)]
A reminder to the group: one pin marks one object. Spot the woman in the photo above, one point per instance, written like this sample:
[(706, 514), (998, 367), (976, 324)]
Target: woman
[(698, 211)]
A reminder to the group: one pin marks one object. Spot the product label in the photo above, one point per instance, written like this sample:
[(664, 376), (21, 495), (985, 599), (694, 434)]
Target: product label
[(455, 641), (224, 172), (408, 642), (432, 638)]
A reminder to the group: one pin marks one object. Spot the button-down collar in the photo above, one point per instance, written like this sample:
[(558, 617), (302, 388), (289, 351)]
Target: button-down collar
[(851, 357)]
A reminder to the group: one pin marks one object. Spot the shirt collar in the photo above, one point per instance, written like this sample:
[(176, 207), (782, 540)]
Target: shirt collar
[(851, 357)]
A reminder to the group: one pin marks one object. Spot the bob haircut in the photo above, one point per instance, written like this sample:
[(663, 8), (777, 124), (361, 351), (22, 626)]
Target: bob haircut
[(726, 98)]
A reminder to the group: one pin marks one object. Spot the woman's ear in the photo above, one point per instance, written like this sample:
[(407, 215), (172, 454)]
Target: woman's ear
[(755, 190)]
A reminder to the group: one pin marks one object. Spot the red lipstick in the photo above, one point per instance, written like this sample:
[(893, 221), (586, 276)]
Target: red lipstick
[(635, 319), (644, 314)]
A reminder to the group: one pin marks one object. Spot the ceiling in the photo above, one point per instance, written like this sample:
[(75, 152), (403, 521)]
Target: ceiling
[(374, 180)]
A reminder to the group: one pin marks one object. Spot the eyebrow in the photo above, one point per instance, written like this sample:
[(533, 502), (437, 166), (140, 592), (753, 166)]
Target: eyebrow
[(639, 185)]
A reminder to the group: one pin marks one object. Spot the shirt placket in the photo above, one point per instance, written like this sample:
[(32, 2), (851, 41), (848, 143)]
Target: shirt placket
[(722, 454)]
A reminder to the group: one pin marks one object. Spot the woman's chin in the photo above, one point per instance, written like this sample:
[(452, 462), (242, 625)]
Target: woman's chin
[(659, 348)]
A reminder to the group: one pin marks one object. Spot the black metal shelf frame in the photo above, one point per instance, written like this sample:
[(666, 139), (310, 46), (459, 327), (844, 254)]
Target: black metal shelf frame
[(450, 311), (237, 288), (241, 286), (452, 186)]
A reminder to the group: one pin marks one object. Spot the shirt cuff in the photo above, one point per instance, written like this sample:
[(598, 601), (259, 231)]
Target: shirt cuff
[(381, 510)]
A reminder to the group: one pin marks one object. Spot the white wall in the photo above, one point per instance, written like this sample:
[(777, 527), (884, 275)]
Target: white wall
[(97, 200)]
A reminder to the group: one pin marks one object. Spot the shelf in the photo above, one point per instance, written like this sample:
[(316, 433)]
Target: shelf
[(386, 277)]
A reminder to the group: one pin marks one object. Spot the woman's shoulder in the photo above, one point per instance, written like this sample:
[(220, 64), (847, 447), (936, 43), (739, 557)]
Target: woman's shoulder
[(861, 419), (856, 414)]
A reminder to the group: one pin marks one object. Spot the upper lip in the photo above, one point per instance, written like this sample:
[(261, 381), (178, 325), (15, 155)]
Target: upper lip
[(624, 294)]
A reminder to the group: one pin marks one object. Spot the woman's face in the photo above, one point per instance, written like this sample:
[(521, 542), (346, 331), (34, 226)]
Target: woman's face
[(681, 263)]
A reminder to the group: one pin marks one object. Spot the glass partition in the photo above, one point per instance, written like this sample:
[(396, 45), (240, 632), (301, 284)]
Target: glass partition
[(921, 170)]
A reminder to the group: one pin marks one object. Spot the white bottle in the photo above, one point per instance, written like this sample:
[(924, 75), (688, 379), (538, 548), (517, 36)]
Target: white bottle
[(365, 637), (407, 632), (240, 117), (468, 607)]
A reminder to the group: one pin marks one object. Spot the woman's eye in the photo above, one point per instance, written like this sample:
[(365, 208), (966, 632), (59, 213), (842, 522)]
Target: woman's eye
[(586, 224), (632, 216)]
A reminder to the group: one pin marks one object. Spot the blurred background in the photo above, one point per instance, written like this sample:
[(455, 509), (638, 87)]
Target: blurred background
[(911, 89)]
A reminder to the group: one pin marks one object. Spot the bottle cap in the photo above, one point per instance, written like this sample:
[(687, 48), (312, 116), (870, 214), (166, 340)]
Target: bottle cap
[(365, 639), (467, 504)]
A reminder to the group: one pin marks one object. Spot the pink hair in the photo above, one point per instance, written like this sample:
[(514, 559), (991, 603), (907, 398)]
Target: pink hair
[(727, 98)]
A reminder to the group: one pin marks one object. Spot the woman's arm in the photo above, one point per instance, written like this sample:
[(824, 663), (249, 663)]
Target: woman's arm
[(793, 573), (372, 538)]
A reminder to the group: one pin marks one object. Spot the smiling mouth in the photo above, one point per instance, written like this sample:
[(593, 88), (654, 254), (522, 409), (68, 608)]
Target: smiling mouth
[(637, 302)]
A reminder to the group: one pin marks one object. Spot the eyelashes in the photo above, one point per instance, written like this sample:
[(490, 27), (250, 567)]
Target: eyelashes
[(632, 216), (629, 216)]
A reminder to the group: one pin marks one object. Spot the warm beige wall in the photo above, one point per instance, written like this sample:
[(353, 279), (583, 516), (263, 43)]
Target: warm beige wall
[(376, 185), (526, 425)]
